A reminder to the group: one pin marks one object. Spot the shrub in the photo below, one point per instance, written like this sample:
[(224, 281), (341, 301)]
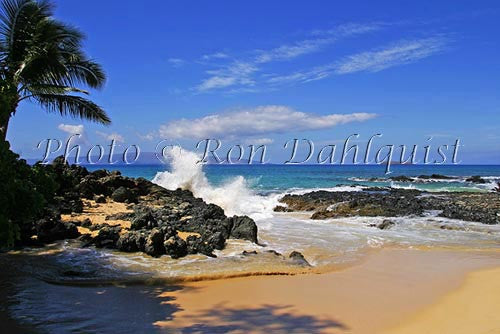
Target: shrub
[(24, 191)]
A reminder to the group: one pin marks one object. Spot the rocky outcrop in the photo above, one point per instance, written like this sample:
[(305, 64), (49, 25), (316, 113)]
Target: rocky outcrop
[(401, 178), (476, 179), (157, 215), (435, 177), (387, 202)]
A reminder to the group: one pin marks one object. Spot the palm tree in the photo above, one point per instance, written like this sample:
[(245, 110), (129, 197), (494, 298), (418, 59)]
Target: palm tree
[(42, 61)]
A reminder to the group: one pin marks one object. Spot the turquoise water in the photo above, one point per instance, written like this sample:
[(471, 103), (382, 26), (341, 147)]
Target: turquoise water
[(271, 178)]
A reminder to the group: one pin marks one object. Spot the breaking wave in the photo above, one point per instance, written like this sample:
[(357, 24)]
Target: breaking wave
[(235, 196)]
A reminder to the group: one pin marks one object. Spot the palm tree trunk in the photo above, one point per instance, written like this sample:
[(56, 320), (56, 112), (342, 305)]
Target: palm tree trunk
[(6, 110), (4, 126), (9, 100)]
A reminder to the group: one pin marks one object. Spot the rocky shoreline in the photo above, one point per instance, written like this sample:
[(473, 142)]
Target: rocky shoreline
[(107, 210), (481, 207), (152, 219)]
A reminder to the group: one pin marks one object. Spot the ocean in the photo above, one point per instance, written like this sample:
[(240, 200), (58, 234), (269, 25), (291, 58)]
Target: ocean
[(268, 178)]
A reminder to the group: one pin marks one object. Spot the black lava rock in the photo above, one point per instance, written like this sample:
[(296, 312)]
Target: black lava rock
[(154, 243), (244, 228), (299, 259), (107, 237), (175, 247), (123, 195)]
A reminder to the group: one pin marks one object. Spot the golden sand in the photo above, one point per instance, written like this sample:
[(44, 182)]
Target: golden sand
[(185, 235), (473, 308), (387, 288), (97, 213)]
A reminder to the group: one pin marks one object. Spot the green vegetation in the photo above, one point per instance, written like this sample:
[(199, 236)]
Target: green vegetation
[(42, 61), (24, 191)]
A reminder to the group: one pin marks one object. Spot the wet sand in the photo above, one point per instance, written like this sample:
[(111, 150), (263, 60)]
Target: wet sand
[(383, 292), (391, 291)]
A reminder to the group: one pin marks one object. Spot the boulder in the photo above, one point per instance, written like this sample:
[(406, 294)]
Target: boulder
[(154, 243), (175, 247), (299, 259), (243, 227), (196, 245), (132, 241), (385, 224), (100, 199), (216, 241), (123, 195), (86, 223), (144, 218), (107, 237)]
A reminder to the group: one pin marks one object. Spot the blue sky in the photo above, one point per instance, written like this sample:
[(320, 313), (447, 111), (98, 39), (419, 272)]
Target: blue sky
[(267, 72)]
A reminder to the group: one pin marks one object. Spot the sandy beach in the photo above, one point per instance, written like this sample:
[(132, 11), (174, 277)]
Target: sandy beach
[(473, 308), (392, 291)]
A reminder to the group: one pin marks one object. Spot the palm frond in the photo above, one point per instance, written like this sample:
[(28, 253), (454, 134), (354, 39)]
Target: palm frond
[(74, 106), (33, 90), (42, 60), (19, 21)]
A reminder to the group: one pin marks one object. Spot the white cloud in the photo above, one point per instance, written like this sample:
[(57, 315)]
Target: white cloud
[(111, 136), (254, 122), (148, 136), (176, 62), (403, 52), (259, 141), (242, 73), (351, 29), (217, 82), (286, 52), (216, 55), (236, 73), (307, 46), (74, 130)]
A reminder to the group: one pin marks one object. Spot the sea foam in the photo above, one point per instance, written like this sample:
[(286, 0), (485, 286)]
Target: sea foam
[(235, 196)]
